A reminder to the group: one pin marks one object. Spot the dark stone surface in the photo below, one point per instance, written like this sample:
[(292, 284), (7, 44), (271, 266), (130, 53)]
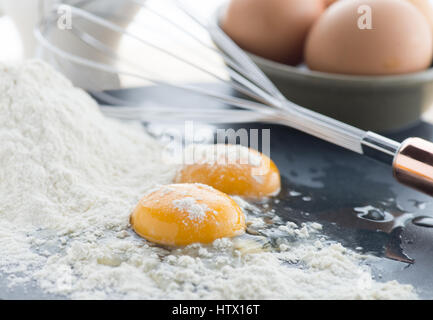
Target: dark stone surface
[(337, 181)]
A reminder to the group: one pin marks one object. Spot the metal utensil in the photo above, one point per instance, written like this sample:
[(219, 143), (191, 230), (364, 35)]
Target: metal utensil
[(412, 160)]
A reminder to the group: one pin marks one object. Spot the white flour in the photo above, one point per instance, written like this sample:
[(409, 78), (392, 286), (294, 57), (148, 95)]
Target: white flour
[(195, 210), (69, 179)]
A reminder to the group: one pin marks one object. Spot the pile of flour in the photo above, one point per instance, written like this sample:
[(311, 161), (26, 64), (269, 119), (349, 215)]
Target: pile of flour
[(70, 177)]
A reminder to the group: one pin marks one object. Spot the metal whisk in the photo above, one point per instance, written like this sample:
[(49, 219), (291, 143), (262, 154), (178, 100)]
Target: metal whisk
[(412, 160)]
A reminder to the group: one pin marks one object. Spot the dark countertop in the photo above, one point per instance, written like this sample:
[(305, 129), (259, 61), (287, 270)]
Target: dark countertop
[(337, 181)]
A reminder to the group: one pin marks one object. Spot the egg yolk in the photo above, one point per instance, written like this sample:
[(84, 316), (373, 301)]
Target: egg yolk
[(181, 214), (232, 169)]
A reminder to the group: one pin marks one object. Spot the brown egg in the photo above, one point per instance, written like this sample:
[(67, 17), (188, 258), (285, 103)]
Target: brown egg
[(273, 29), (399, 40), (329, 2), (426, 8)]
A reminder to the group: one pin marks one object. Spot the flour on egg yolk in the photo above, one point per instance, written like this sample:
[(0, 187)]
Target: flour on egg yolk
[(181, 214), (232, 169)]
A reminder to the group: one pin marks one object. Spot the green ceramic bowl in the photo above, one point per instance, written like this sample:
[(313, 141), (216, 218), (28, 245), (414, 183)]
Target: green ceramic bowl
[(378, 103)]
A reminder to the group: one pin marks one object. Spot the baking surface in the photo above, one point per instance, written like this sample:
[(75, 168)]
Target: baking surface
[(338, 181), (333, 182)]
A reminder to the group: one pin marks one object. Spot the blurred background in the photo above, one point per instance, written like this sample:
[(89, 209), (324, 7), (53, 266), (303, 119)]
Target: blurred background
[(394, 103), (14, 50)]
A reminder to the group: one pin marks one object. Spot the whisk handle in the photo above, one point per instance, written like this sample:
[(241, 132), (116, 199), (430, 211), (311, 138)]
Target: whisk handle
[(412, 160), (379, 147), (413, 165)]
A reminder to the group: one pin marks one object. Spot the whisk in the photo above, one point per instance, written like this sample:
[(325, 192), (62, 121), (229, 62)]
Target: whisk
[(411, 161)]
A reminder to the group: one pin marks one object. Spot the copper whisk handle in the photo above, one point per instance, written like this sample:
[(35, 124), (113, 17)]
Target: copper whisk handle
[(413, 164)]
